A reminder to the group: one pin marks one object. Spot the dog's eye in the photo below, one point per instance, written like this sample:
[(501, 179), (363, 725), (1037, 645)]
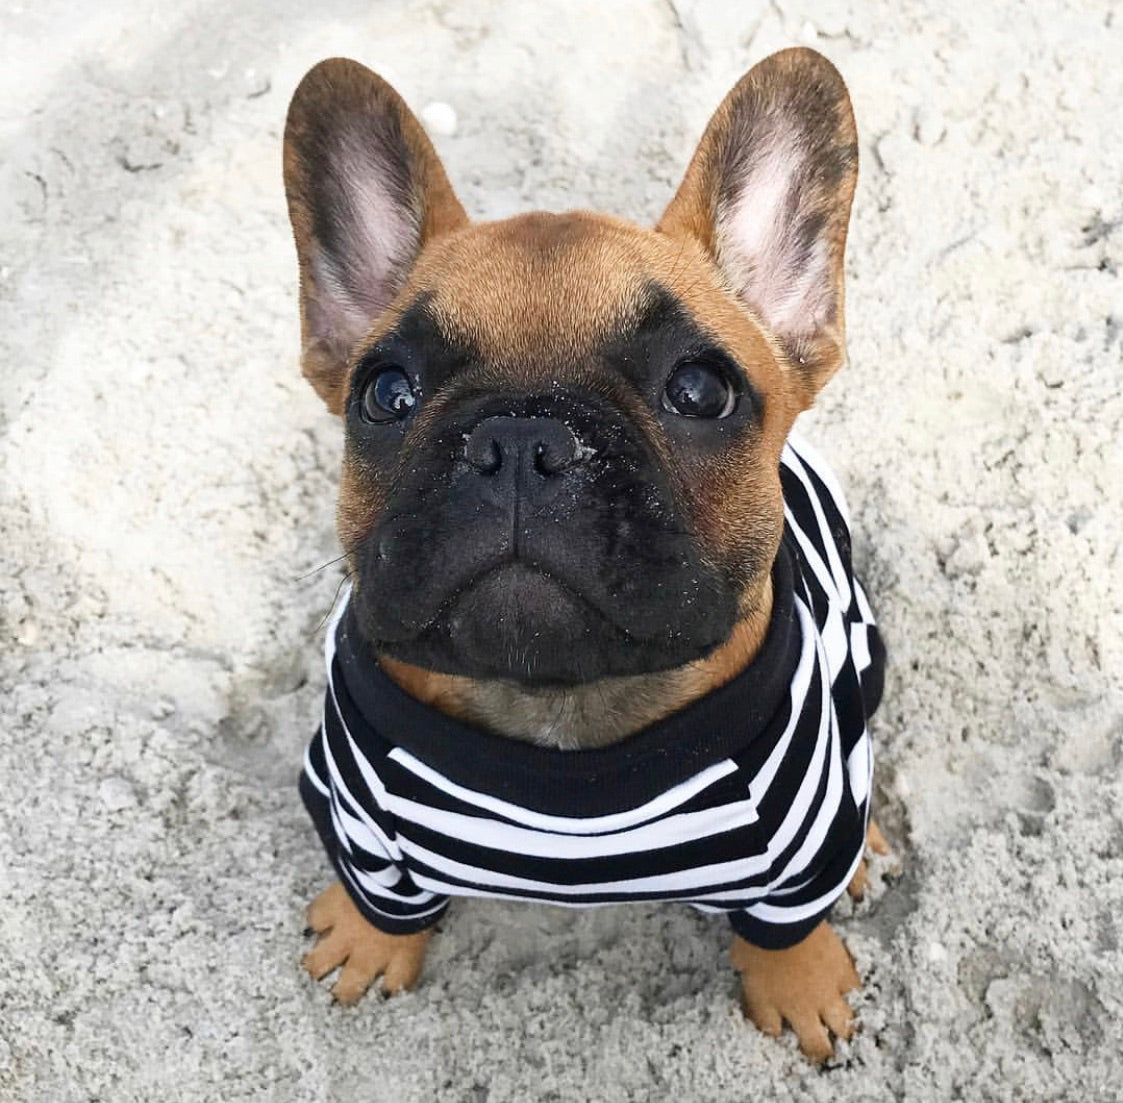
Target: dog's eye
[(388, 396), (697, 389)]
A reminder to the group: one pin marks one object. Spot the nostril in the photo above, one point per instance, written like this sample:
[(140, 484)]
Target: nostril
[(491, 459), (558, 450), (482, 451), (550, 459)]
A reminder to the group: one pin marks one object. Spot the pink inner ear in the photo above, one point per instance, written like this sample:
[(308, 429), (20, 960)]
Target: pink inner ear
[(788, 284), (377, 238)]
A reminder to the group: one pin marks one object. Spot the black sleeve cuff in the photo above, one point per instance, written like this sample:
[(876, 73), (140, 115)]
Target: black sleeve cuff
[(774, 936)]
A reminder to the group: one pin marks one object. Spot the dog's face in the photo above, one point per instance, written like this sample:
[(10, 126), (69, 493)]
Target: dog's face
[(563, 431)]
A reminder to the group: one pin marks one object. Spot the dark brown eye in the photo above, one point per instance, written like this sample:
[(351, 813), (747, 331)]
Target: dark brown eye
[(696, 389), (388, 396)]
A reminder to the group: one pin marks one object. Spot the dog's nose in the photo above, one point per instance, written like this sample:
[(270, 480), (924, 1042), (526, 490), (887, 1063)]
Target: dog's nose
[(520, 445)]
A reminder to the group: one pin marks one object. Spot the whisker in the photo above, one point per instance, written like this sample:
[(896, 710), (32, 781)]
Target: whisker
[(322, 567)]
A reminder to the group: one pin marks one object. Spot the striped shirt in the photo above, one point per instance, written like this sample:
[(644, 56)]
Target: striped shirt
[(752, 801)]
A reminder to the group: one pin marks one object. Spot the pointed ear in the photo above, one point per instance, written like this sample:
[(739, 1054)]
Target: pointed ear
[(366, 191), (768, 195)]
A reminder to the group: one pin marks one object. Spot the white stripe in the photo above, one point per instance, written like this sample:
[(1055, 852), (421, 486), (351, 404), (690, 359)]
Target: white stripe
[(359, 834), (841, 579), (684, 880), (816, 835), (388, 844), (858, 767), (833, 631), (486, 894), (341, 603), (864, 610), (386, 879), (801, 803), (801, 682), (350, 875), (860, 646), (569, 825), (813, 458), (670, 831)]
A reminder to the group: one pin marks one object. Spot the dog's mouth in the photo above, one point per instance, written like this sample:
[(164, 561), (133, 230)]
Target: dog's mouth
[(516, 589), (517, 622)]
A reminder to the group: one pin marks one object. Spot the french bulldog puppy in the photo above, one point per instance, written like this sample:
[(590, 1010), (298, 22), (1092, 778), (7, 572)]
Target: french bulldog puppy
[(601, 641)]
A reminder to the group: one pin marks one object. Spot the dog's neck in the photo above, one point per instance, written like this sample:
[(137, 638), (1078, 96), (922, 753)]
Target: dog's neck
[(593, 715)]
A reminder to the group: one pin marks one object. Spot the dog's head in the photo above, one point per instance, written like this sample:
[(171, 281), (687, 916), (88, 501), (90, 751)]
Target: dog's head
[(563, 431)]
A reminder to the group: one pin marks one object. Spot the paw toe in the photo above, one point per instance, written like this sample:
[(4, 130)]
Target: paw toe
[(351, 986), (765, 1017), (325, 956), (401, 975), (859, 882), (840, 1018), (324, 911), (813, 1037)]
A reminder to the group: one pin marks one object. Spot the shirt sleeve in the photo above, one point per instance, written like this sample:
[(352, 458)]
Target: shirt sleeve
[(790, 913), (358, 835), (807, 891)]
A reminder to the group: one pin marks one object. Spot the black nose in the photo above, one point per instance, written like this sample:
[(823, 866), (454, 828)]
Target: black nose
[(520, 445)]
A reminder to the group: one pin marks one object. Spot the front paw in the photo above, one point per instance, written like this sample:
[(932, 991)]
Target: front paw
[(804, 986), (875, 841), (364, 952)]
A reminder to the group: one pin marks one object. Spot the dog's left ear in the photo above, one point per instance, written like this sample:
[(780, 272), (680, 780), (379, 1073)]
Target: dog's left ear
[(366, 191), (768, 195)]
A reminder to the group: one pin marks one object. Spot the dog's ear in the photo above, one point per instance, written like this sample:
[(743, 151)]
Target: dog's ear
[(365, 191), (768, 195)]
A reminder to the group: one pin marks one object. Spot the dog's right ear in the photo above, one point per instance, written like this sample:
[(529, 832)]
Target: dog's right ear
[(365, 191)]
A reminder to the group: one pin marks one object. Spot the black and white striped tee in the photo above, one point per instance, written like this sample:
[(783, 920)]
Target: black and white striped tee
[(751, 801)]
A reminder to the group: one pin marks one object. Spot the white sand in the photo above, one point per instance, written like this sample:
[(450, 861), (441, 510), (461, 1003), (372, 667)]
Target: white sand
[(168, 481)]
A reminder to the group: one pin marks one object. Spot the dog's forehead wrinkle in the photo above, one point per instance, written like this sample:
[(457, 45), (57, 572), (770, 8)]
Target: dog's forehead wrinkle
[(541, 284)]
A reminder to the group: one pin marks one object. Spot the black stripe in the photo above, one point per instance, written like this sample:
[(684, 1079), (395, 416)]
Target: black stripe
[(774, 936), (850, 708), (403, 782), (740, 843), (837, 530), (873, 677), (614, 897), (349, 770)]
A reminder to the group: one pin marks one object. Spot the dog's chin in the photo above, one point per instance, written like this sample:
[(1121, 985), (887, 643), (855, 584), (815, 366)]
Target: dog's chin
[(519, 624)]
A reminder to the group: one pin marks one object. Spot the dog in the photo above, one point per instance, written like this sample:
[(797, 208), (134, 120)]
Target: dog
[(601, 640)]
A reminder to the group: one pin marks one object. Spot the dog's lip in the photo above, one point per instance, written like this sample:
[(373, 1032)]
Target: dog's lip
[(505, 563), (454, 596)]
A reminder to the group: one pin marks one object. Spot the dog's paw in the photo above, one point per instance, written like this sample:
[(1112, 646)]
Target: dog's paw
[(364, 952), (875, 841), (804, 986)]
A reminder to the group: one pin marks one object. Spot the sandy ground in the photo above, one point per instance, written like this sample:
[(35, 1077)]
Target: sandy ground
[(168, 488)]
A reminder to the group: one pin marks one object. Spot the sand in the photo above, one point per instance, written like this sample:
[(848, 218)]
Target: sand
[(167, 511)]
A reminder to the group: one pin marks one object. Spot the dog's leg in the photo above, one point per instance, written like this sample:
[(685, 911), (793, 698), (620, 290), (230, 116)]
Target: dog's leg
[(875, 840), (804, 985), (365, 953)]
